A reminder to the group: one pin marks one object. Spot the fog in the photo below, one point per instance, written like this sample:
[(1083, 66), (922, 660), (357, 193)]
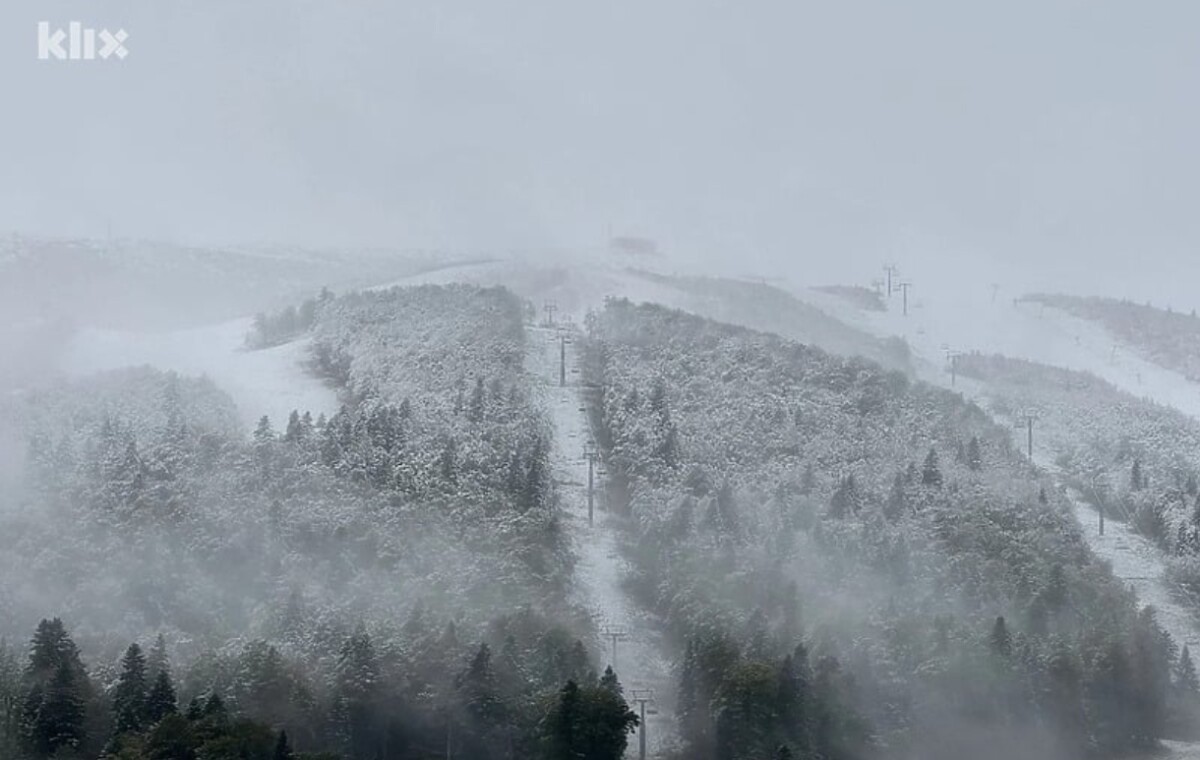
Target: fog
[(1049, 143), (417, 379)]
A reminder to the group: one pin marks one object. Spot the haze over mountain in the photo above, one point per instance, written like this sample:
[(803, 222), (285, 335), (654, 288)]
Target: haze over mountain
[(1046, 145), (521, 381)]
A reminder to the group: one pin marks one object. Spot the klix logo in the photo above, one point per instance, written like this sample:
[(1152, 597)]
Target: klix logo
[(80, 43)]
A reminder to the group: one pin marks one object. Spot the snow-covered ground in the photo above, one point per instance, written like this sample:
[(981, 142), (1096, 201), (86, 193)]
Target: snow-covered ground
[(973, 320), (1139, 563), (272, 381), (575, 283), (641, 660)]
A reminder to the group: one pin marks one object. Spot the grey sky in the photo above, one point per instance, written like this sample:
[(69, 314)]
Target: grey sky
[(1044, 144)]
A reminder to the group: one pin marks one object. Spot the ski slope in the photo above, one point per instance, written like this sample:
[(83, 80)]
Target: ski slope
[(641, 661), (574, 283), (1139, 563), (271, 381), (974, 320)]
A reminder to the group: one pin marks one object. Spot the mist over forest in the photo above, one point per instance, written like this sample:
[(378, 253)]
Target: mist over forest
[(531, 381)]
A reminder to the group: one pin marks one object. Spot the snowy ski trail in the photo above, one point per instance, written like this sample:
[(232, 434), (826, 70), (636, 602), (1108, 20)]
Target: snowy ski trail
[(641, 661), (271, 381), (1138, 563)]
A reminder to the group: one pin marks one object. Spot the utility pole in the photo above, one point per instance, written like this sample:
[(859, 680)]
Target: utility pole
[(642, 696), (616, 633), (995, 289), (1028, 419), (904, 286), (562, 359), (952, 358), (891, 270), (550, 308), (589, 451)]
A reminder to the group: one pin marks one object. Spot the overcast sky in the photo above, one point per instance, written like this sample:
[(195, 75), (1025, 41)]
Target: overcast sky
[(1044, 144)]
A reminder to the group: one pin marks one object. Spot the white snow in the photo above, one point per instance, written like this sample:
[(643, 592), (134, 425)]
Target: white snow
[(641, 660), (271, 381), (1138, 562), (973, 321), (575, 283)]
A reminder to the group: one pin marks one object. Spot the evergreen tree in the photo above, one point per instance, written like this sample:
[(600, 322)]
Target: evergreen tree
[(10, 700), (1000, 642), (293, 432), (129, 696), (609, 681), (171, 739), (56, 691), (283, 750), (1108, 695), (592, 723), (1186, 680), (263, 433), (479, 696), (356, 696), (845, 500), (974, 455), (744, 711), (55, 714), (161, 700), (157, 661), (930, 474), (793, 698)]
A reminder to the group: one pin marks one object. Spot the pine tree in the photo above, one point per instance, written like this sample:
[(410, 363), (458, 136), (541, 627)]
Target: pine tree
[(161, 700), (609, 681), (356, 695), (293, 433), (1000, 641), (1137, 479), (157, 660), (129, 697), (845, 500), (1186, 680), (974, 455), (591, 723), (793, 698), (172, 739), (10, 700), (263, 433), (478, 693), (56, 691), (930, 474), (283, 750)]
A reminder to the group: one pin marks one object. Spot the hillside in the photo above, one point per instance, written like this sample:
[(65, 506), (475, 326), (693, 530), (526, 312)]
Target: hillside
[(1162, 336), (413, 534), (783, 496)]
